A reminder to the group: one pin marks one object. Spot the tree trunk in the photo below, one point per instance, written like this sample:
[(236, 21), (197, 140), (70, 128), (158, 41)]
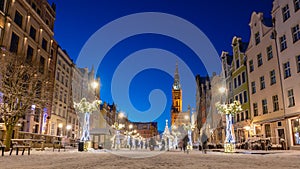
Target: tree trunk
[(8, 136), (229, 129), (86, 128)]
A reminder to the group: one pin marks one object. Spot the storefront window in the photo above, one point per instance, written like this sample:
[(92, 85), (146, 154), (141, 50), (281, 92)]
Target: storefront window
[(296, 131)]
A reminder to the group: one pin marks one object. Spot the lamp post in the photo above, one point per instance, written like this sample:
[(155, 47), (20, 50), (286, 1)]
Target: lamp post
[(69, 127), (60, 126)]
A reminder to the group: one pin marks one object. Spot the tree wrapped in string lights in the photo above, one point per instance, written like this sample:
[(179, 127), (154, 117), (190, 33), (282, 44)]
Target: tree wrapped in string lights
[(87, 108), (229, 110)]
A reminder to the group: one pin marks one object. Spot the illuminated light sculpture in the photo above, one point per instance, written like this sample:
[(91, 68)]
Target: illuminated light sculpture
[(118, 127), (87, 108), (229, 110), (189, 128)]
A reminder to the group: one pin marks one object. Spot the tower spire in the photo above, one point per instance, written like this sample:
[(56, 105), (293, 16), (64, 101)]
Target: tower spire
[(176, 75), (176, 85)]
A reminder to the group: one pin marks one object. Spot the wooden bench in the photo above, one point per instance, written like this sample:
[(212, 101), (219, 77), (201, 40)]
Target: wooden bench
[(18, 147), (2, 146)]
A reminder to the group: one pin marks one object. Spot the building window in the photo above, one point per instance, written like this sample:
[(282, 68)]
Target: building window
[(255, 109), (246, 114), (57, 76), (237, 97), (44, 44), (251, 66), (291, 98), (59, 62), (239, 80), (257, 38), (235, 83), (296, 33), (259, 60), (283, 44), (242, 116), (296, 130), (14, 43), (264, 106), (243, 77), (297, 5), (245, 97), (241, 98), (287, 70), (272, 77), (262, 82), (269, 52), (285, 12), (2, 5), (298, 63), (32, 32), (275, 103), (268, 130), (237, 117), (237, 62), (66, 83), (42, 65), (18, 19), (253, 87), (29, 54)]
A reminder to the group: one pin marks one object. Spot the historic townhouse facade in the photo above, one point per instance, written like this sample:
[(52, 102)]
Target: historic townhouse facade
[(26, 28), (63, 117), (235, 72), (264, 81), (286, 17)]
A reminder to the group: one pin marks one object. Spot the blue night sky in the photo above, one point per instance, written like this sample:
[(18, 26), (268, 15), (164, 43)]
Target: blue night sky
[(76, 21)]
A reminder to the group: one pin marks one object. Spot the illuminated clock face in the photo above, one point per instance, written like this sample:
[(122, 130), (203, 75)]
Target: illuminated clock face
[(176, 86)]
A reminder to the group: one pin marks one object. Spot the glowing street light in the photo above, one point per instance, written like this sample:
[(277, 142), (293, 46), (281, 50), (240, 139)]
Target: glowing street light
[(222, 89), (94, 84)]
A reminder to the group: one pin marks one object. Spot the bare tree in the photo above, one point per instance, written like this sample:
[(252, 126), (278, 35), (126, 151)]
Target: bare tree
[(22, 84)]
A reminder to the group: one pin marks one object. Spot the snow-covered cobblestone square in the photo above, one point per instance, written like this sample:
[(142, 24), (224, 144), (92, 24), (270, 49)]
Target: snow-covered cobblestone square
[(96, 159)]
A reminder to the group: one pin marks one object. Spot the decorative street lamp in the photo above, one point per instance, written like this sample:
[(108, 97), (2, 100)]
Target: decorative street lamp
[(229, 110)]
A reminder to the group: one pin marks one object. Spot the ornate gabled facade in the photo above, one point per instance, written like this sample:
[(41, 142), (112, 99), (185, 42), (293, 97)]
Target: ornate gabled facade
[(265, 83)]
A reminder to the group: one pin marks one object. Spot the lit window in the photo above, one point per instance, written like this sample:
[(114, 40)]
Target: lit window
[(259, 60), (283, 44), (275, 103), (272, 77), (264, 106), (297, 5), (253, 88), (296, 33), (251, 66), (291, 98), (257, 38), (298, 63), (285, 12), (287, 70), (262, 82), (269, 52), (255, 109)]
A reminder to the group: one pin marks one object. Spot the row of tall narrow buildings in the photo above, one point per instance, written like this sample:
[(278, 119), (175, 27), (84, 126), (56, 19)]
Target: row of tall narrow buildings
[(264, 75), (27, 29)]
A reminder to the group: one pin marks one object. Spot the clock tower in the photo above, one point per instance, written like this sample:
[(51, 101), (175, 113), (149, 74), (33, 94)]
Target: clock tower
[(176, 98)]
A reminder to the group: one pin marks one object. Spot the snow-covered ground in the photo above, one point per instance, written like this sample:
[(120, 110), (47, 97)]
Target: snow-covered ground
[(121, 159)]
